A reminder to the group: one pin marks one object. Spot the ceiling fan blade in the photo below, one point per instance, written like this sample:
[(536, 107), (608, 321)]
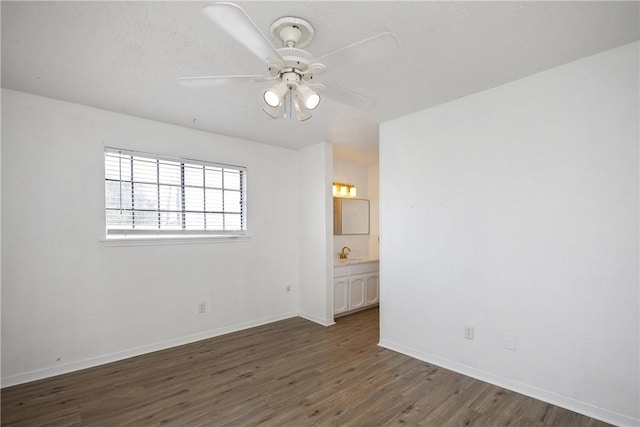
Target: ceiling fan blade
[(208, 81), (364, 50), (231, 18), (345, 96)]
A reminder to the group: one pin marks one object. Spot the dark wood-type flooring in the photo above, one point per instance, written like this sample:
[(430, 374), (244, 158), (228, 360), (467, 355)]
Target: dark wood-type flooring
[(288, 373)]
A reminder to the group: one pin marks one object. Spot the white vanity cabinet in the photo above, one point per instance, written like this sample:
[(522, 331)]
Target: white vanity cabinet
[(340, 294), (355, 286), (356, 292), (372, 289)]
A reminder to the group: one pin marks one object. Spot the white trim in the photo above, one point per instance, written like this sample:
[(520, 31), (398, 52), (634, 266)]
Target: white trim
[(315, 319), (156, 156), (136, 351), (163, 240), (565, 402), (138, 233)]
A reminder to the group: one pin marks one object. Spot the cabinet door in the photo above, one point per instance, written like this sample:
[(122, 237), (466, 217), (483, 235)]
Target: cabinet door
[(356, 292), (372, 289), (340, 295)]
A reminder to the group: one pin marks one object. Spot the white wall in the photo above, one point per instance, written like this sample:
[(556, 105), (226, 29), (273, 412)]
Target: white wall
[(68, 301), (374, 203), (314, 182), (515, 210), (366, 181)]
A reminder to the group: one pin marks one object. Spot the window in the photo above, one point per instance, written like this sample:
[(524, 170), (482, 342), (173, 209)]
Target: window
[(147, 194)]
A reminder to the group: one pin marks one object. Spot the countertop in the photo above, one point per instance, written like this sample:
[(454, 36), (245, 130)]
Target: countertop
[(355, 260)]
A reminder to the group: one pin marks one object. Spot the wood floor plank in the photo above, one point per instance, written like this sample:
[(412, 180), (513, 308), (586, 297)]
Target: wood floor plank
[(288, 373)]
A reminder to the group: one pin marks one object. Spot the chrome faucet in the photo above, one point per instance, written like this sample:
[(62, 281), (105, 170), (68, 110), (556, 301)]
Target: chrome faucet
[(343, 255)]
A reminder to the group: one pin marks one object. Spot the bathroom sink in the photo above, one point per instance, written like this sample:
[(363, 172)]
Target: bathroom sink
[(347, 261)]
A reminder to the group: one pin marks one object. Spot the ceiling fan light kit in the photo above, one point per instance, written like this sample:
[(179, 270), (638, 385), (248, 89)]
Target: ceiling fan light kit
[(309, 96), (292, 33), (275, 96), (292, 67), (301, 112)]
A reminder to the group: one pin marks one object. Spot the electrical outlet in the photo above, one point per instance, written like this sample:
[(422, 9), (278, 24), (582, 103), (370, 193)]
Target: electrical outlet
[(468, 332), (509, 342), (202, 308)]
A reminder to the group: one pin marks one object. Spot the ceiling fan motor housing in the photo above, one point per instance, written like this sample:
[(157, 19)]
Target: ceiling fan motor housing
[(298, 60), (295, 58), (292, 34)]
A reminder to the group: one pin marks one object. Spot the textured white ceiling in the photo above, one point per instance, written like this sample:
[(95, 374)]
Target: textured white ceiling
[(126, 56)]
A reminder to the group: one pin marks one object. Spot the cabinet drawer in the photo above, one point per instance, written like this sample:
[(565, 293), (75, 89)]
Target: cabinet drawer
[(367, 267), (343, 270)]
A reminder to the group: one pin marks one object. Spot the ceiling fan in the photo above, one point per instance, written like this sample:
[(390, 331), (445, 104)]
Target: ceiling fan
[(292, 69)]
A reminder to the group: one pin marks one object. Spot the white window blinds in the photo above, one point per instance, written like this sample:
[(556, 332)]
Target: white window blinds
[(147, 194)]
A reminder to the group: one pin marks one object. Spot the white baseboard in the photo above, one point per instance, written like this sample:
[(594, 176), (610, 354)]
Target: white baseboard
[(136, 351), (315, 319), (592, 411)]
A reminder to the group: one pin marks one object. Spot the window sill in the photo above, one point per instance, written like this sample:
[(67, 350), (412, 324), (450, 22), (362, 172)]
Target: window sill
[(152, 241)]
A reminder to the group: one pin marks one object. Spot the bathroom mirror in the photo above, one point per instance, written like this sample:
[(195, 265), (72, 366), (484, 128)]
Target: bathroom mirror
[(350, 216)]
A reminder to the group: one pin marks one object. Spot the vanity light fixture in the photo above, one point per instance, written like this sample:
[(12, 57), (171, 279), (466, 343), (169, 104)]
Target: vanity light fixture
[(344, 190)]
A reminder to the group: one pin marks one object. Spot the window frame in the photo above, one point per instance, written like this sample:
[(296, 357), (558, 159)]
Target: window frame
[(148, 235)]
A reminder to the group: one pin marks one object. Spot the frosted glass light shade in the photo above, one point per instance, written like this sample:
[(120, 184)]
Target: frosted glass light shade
[(303, 113), (274, 96), (312, 101), (274, 112), (271, 98), (309, 96)]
